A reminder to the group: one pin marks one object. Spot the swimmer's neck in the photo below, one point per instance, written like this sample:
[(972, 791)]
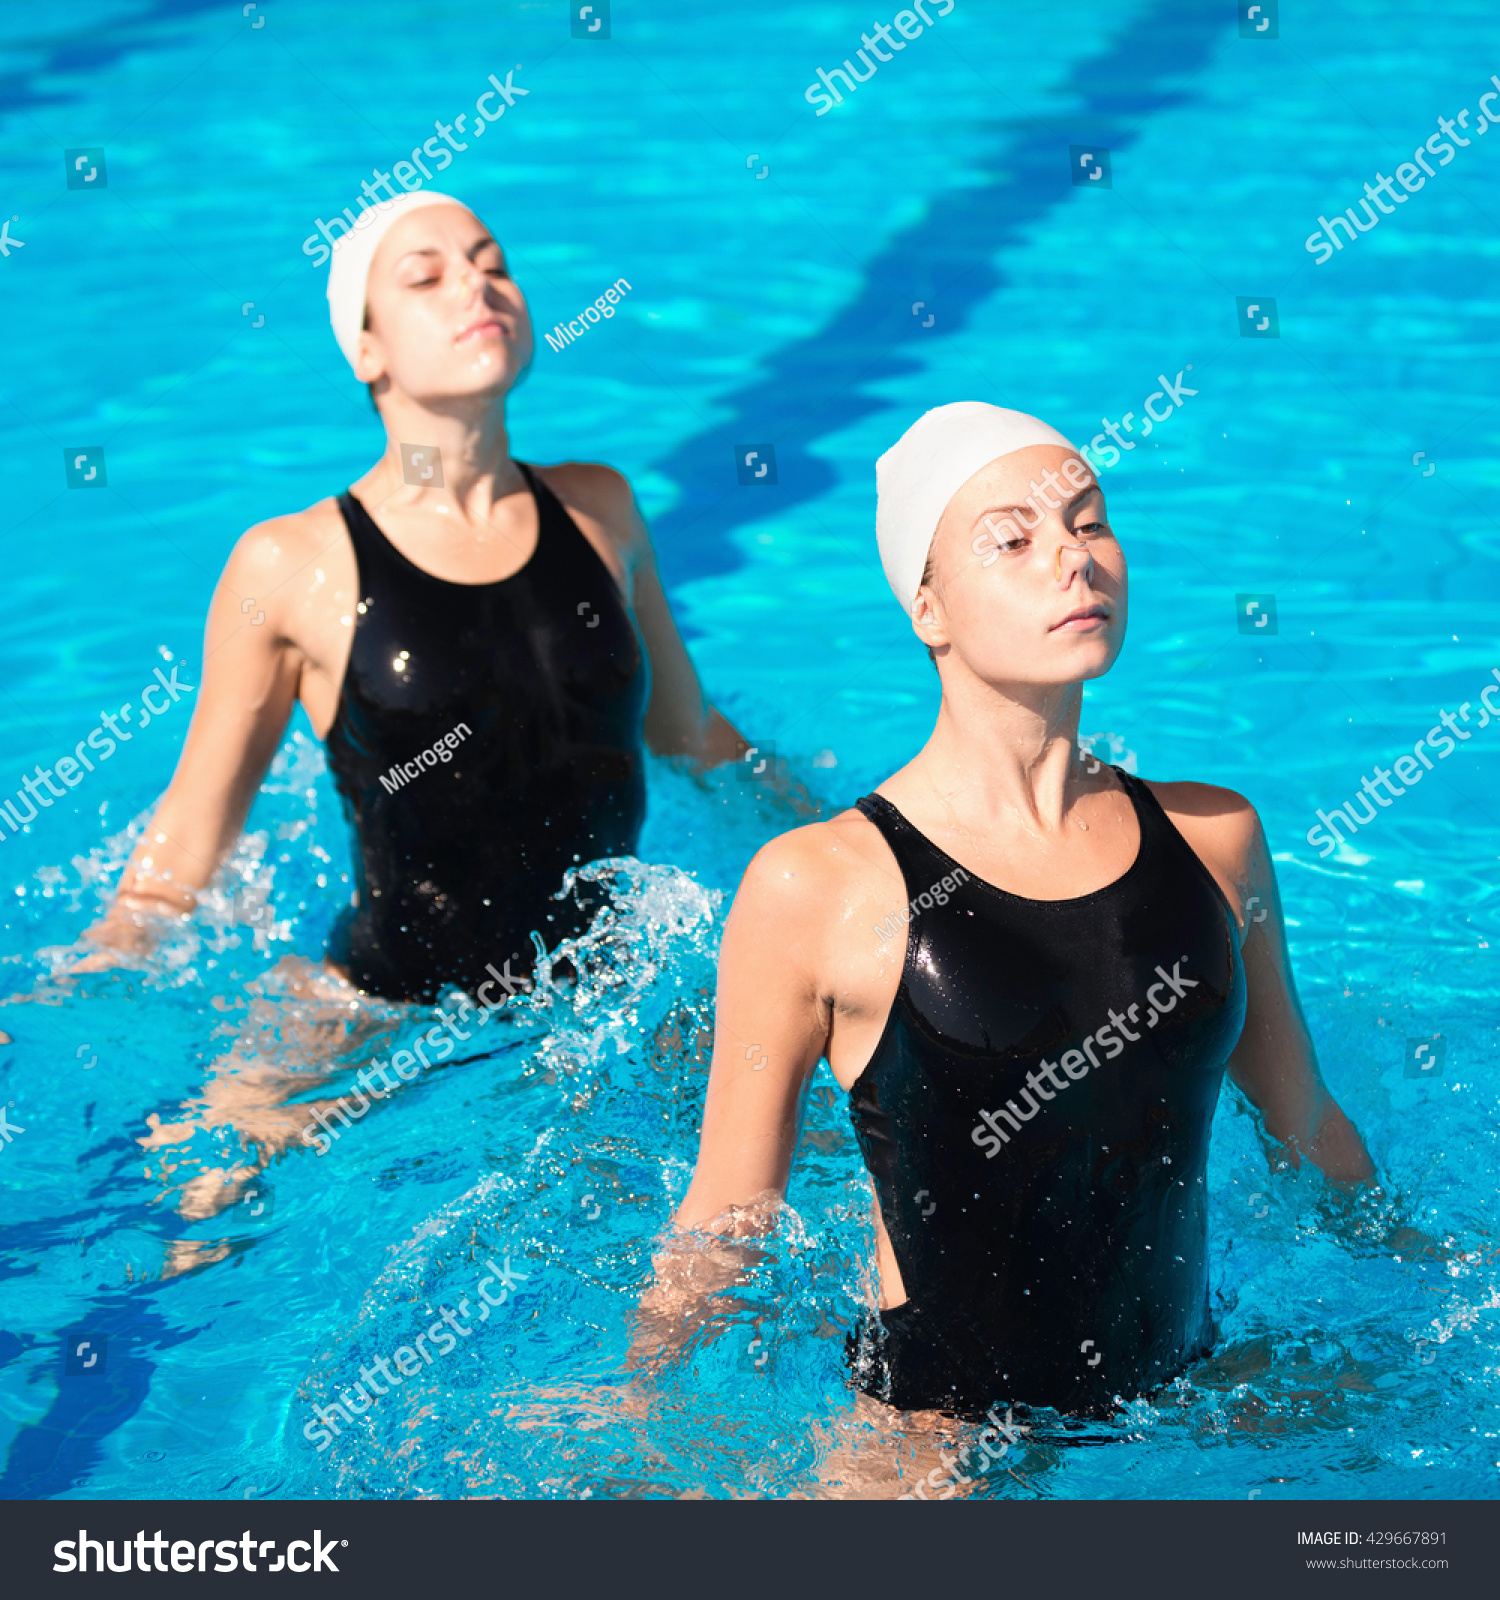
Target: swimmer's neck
[(472, 442), (999, 754)]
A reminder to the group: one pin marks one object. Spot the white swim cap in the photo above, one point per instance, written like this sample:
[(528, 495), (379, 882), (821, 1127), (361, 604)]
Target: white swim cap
[(349, 271), (917, 477)]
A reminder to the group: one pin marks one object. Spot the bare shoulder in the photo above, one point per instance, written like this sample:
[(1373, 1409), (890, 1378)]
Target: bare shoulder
[(1221, 825), (283, 545), (819, 874)]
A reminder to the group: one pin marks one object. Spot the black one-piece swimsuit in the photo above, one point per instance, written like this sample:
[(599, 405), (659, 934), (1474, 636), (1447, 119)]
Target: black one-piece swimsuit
[(488, 737), (1036, 1121)]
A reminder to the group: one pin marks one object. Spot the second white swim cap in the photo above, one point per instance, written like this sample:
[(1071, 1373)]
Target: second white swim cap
[(917, 477)]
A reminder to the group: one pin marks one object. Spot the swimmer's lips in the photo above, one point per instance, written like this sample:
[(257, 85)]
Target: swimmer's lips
[(1086, 619), (485, 328)]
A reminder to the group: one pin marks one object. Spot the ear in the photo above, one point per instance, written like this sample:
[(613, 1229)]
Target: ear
[(369, 359), (927, 619)]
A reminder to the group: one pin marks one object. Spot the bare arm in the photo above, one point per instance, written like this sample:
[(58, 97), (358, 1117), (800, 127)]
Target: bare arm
[(771, 1028), (246, 691), (679, 721), (1274, 1064)]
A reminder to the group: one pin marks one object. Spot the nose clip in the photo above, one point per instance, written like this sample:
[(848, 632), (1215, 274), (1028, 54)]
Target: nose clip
[(1057, 565)]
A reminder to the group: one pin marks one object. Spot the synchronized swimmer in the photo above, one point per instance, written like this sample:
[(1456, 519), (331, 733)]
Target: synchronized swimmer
[(1074, 1269), (397, 613)]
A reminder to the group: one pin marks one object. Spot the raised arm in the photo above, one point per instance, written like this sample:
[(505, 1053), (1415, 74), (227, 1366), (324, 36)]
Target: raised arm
[(679, 720), (247, 687)]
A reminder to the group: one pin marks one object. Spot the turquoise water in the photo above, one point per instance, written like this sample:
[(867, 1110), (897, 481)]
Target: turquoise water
[(763, 309)]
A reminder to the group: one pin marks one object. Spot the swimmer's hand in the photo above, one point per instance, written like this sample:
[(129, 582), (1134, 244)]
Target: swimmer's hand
[(129, 931), (693, 1270), (1409, 1243), (766, 776), (1371, 1219)]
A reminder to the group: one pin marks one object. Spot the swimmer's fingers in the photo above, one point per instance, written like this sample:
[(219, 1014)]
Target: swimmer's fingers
[(797, 797), (99, 961), (126, 935), (1371, 1221), (664, 1326), (101, 949)]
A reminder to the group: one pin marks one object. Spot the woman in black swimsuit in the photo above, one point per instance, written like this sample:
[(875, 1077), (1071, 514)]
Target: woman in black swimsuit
[(1030, 976), (484, 645)]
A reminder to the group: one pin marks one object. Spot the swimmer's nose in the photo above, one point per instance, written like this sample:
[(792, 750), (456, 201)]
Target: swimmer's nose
[(1073, 558), (471, 282)]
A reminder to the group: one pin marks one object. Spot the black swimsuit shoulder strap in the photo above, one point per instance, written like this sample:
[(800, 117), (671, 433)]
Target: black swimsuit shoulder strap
[(1155, 824), (561, 543), (553, 517), (373, 552), (920, 860), (1140, 792), (357, 520), (1158, 830), (894, 828)]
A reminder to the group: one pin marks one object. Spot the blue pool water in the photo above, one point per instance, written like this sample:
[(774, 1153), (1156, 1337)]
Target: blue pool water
[(764, 309)]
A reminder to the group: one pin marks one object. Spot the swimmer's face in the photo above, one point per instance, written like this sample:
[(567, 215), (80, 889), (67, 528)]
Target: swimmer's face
[(1028, 581), (444, 317)]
